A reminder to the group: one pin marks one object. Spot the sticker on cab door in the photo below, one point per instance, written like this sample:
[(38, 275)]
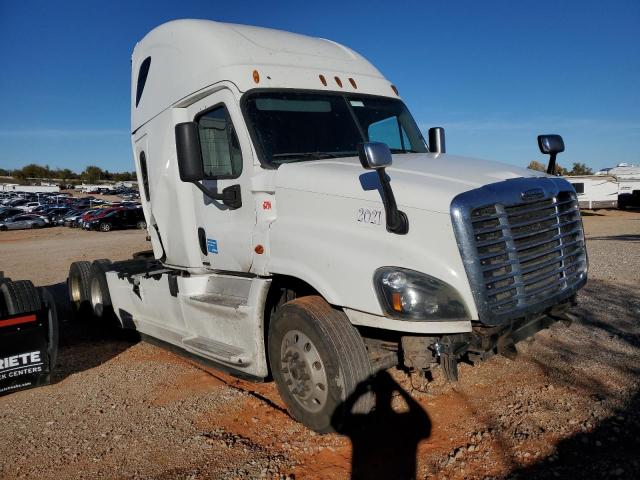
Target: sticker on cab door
[(212, 245), (370, 216)]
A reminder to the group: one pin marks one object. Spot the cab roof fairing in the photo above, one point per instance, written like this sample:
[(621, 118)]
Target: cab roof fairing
[(190, 55)]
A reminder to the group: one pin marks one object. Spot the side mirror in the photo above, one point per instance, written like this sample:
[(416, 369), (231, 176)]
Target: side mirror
[(436, 140), (374, 155), (191, 167), (551, 145), (189, 154)]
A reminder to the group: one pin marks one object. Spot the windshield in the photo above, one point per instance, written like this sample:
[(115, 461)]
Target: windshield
[(294, 126)]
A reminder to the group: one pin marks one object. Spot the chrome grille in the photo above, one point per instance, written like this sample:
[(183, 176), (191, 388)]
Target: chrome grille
[(521, 256)]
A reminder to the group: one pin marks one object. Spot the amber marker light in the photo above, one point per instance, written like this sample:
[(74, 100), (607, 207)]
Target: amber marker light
[(353, 83), (396, 300), (259, 249), (338, 81), (395, 90), (256, 76), (323, 80)]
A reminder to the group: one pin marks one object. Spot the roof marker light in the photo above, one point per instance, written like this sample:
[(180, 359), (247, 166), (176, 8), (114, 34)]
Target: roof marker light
[(256, 76), (353, 83), (323, 80), (338, 81)]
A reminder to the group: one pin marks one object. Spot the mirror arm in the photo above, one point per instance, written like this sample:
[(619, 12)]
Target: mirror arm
[(209, 193), (551, 167), (397, 221), (234, 203)]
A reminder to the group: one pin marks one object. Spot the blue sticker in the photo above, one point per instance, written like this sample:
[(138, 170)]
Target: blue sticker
[(212, 245)]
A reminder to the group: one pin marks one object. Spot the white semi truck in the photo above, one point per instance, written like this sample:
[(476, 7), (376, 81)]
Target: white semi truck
[(303, 229)]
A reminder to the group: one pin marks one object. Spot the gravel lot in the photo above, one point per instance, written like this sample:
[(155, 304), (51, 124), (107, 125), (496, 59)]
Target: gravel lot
[(567, 407)]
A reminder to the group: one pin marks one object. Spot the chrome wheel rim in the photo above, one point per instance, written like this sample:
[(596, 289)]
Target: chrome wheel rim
[(74, 286), (304, 371), (96, 294)]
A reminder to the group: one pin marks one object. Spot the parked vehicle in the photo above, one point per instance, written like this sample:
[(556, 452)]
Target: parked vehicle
[(595, 191), (629, 193), (290, 241), (55, 213), (8, 212), (20, 222), (118, 219)]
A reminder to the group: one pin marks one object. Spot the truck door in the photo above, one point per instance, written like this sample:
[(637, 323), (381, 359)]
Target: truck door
[(224, 234)]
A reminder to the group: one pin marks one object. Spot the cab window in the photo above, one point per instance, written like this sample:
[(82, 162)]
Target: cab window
[(219, 144)]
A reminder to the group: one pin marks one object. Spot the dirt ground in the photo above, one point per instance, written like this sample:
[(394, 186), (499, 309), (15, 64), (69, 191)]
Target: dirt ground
[(566, 407)]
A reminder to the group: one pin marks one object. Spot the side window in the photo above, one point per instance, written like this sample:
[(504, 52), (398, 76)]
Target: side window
[(142, 78), (145, 175), (390, 132), (219, 144)]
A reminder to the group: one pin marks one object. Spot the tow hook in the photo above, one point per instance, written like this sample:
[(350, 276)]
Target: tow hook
[(448, 350), (566, 318)]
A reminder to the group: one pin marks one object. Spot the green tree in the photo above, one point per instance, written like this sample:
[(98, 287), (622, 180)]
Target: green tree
[(533, 165), (66, 174), (92, 174), (541, 167), (580, 169)]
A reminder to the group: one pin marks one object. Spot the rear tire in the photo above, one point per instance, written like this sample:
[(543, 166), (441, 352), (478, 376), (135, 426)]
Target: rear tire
[(79, 284), (105, 227), (20, 297), (99, 290), (50, 306), (317, 359), (141, 225)]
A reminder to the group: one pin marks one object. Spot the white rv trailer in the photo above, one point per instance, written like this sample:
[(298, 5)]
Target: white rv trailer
[(303, 229), (628, 192), (595, 191), (14, 187)]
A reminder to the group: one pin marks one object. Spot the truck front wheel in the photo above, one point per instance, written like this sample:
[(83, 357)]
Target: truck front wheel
[(317, 360)]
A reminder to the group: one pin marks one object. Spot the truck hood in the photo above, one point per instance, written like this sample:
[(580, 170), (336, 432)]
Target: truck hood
[(426, 181)]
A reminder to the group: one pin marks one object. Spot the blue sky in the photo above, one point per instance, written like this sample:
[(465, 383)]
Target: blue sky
[(493, 73)]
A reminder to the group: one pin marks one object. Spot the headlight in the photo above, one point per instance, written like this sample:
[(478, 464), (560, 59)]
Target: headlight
[(410, 295)]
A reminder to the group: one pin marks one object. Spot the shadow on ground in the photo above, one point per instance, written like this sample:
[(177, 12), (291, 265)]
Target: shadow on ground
[(620, 238), (384, 441), (84, 341), (611, 448)]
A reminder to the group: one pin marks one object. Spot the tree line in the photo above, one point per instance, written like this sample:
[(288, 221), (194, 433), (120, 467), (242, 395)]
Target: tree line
[(577, 169), (90, 174)]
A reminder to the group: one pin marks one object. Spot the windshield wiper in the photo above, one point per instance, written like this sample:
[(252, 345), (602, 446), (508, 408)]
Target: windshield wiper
[(314, 155), (279, 158)]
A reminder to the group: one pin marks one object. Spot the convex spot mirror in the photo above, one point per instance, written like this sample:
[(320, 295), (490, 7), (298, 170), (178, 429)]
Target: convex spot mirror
[(550, 144), (374, 155)]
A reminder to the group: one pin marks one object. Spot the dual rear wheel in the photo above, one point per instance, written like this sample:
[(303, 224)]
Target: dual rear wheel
[(88, 289)]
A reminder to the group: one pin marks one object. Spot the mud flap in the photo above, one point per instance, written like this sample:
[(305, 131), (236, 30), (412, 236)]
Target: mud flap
[(25, 351)]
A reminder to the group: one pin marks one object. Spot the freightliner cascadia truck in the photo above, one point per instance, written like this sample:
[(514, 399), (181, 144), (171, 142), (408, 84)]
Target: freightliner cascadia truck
[(303, 229)]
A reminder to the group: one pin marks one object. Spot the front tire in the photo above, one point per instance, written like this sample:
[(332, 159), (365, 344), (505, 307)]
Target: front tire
[(317, 359), (105, 227)]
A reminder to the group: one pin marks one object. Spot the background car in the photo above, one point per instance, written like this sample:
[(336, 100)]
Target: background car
[(118, 218), (8, 212), (20, 222)]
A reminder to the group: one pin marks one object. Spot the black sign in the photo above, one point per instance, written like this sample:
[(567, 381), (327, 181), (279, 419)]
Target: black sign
[(24, 359)]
